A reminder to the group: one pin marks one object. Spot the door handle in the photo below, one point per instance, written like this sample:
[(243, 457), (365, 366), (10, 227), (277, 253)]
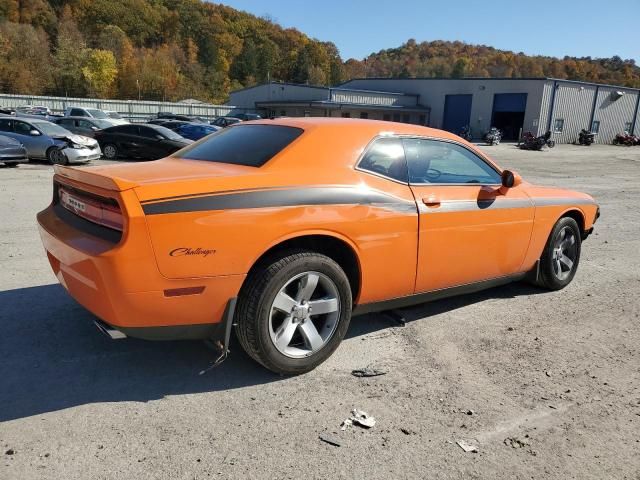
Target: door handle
[(431, 201)]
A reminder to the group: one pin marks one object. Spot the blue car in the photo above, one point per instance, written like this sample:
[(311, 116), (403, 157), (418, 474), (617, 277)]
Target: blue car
[(195, 131)]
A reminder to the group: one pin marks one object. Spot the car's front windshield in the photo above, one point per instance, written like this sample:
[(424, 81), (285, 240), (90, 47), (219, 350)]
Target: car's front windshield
[(52, 129), (97, 113)]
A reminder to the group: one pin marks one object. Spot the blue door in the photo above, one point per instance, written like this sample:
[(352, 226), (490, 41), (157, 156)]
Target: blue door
[(457, 112)]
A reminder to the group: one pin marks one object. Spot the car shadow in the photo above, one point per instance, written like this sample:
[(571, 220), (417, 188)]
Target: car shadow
[(52, 357)]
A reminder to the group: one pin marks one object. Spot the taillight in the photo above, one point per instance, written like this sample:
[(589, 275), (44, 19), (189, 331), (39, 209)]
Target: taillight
[(104, 212)]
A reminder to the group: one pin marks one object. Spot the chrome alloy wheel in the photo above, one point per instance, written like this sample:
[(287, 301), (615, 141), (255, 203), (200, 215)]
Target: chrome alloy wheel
[(564, 254), (304, 314)]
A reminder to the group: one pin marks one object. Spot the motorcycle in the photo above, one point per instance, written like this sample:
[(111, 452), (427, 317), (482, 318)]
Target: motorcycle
[(466, 133), (493, 136), (586, 137), (531, 142), (626, 139)]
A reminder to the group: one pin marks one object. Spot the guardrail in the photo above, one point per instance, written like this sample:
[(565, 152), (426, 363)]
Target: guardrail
[(135, 110)]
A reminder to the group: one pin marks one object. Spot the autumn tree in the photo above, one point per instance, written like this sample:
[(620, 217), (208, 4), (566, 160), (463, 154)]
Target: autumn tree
[(100, 72)]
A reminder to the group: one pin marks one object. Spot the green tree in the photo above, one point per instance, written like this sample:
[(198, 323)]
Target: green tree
[(100, 72)]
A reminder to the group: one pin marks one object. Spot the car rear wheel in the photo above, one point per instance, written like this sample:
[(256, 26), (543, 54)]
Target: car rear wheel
[(110, 151), (561, 255), (294, 311), (56, 156)]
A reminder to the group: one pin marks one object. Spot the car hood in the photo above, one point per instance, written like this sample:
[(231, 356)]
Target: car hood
[(77, 139)]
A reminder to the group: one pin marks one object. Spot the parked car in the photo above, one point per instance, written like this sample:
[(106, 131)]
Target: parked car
[(83, 125), (224, 122), (247, 116), (195, 131), (278, 230), (33, 110), (8, 110), (143, 140), (47, 141), (12, 152), (88, 112), (116, 118), (184, 118)]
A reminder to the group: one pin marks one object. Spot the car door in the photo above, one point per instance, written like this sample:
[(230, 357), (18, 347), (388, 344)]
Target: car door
[(36, 145), (470, 229), (68, 123), (128, 141), (152, 142)]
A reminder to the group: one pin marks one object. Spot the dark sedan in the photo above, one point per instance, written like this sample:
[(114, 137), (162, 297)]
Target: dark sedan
[(12, 152), (139, 141), (224, 122)]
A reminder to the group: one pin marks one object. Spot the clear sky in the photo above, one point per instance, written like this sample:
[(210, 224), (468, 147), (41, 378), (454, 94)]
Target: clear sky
[(562, 27)]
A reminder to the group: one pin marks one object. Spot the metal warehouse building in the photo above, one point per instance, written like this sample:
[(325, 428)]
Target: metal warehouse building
[(514, 105)]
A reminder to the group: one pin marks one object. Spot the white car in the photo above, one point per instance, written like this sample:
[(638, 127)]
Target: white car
[(91, 113)]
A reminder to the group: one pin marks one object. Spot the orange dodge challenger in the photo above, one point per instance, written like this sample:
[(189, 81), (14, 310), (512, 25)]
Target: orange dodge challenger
[(286, 228)]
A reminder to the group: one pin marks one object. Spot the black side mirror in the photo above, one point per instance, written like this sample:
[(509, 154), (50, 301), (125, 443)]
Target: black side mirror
[(510, 179)]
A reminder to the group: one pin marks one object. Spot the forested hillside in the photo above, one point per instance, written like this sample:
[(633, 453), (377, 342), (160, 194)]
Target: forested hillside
[(457, 59), (175, 49)]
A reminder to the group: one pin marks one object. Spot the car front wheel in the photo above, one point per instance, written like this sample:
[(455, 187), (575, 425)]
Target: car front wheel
[(294, 311), (561, 255)]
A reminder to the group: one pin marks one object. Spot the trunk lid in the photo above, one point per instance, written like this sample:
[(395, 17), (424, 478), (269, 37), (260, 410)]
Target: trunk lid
[(163, 178)]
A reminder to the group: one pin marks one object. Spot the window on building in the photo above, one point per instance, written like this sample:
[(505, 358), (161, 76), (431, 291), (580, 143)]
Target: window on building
[(558, 126), (433, 161), (627, 126), (386, 157), (386, 117), (364, 115), (595, 126), (422, 120), (396, 117), (346, 115)]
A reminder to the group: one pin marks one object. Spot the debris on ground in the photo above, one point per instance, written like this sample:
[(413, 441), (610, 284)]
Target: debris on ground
[(515, 442), (467, 447), (329, 440), (407, 431), (368, 372), (11, 451), (358, 417)]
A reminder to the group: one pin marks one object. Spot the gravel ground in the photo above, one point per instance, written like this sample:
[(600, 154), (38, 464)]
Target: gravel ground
[(547, 385)]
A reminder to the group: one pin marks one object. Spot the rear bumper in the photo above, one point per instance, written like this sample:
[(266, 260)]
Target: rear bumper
[(121, 285)]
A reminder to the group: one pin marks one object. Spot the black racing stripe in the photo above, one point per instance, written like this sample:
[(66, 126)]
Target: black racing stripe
[(281, 198), (205, 194)]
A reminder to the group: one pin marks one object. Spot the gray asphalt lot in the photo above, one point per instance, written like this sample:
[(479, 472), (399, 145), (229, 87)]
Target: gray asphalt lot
[(547, 385)]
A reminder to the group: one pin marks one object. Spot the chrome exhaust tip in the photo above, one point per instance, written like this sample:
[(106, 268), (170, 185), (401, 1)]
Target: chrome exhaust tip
[(109, 330)]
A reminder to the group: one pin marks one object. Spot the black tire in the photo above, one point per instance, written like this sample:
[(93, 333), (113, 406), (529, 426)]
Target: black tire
[(254, 312), (110, 151), (56, 156), (548, 275), (551, 143)]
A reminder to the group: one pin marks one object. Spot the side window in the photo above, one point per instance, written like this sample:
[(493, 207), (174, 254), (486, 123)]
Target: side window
[(147, 132), (433, 161), (386, 157), (65, 122), (128, 130), (77, 112), (22, 128), (85, 124), (5, 125)]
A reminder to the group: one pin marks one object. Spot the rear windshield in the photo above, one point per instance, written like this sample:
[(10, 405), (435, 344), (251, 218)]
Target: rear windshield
[(249, 145)]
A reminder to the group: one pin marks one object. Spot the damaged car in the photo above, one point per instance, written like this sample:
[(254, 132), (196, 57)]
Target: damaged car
[(44, 140)]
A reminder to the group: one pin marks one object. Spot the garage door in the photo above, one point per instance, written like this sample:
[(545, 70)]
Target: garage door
[(457, 112), (508, 113)]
